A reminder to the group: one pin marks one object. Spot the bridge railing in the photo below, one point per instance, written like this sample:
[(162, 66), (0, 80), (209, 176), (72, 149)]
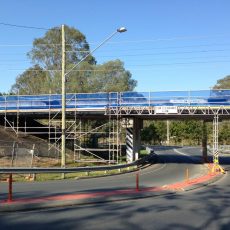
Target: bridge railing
[(176, 98), (115, 99)]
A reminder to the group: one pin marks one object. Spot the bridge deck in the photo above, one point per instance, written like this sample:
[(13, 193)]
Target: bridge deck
[(203, 102)]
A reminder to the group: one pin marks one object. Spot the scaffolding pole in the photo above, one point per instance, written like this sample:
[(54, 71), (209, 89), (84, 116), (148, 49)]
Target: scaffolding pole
[(216, 166)]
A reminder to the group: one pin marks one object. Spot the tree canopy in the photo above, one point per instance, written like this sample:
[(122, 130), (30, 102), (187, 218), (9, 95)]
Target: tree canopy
[(45, 75), (189, 132), (223, 83), (47, 53)]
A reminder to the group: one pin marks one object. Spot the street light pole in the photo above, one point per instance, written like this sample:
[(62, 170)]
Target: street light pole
[(64, 79), (120, 30)]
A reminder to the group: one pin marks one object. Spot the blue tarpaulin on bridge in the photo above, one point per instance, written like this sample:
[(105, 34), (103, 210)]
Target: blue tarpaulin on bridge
[(113, 99)]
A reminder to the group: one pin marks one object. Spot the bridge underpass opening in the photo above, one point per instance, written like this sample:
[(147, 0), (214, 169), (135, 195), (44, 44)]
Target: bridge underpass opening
[(87, 140), (133, 143)]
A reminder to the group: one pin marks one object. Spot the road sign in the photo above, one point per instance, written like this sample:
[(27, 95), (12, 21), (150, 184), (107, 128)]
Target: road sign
[(166, 110)]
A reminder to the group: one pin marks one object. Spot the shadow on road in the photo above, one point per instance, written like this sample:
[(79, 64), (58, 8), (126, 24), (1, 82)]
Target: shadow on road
[(203, 209)]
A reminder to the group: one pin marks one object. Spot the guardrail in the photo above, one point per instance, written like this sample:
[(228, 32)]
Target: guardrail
[(14, 170), (10, 171), (221, 148)]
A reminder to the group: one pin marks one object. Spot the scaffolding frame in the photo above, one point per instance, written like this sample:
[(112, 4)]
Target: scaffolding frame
[(215, 150), (77, 128)]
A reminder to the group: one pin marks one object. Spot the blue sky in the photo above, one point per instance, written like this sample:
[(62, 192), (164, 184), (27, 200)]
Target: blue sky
[(169, 45)]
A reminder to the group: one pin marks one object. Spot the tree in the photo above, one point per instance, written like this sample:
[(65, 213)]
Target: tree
[(45, 75), (32, 81), (177, 130), (193, 131), (47, 53), (223, 83), (108, 77), (224, 133), (161, 128), (112, 77), (149, 134), (154, 132)]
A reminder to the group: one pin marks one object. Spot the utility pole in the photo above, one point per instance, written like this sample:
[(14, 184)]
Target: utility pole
[(63, 128), (64, 74)]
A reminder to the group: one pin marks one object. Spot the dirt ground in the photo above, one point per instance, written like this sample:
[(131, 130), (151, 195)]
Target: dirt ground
[(20, 150)]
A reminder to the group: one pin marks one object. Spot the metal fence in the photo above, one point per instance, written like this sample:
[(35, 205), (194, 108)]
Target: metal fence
[(12, 154)]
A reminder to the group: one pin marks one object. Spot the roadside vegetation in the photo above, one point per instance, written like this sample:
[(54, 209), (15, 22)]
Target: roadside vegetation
[(44, 76), (182, 132)]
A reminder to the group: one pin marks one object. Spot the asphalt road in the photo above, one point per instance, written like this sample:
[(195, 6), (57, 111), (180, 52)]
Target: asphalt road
[(172, 166), (206, 208)]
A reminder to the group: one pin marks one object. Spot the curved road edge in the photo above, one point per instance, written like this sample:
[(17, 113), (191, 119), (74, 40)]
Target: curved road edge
[(108, 196)]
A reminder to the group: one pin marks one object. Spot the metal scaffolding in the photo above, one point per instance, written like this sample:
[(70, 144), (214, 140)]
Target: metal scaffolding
[(79, 131), (40, 115), (216, 165)]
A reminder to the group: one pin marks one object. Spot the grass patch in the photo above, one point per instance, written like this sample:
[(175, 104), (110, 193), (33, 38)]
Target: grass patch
[(143, 153)]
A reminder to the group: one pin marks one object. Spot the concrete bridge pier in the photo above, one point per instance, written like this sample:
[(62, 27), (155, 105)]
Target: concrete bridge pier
[(133, 139)]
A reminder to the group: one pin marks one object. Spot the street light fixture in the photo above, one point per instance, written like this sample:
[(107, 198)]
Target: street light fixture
[(121, 29), (64, 74)]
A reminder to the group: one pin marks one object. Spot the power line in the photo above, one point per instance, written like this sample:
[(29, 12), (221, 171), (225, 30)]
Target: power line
[(22, 45), (177, 58), (155, 48), (178, 47), (130, 69), (169, 39), (163, 53), (179, 63), (22, 26), (210, 58), (59, 70), (160, 53), (120, 42)]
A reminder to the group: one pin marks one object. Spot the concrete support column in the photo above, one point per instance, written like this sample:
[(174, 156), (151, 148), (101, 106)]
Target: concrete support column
[(129, 144), (133, 139), (138, 125), (204, 142)]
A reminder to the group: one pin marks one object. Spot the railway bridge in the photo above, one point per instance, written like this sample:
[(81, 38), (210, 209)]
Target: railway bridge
[(40, 115)]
